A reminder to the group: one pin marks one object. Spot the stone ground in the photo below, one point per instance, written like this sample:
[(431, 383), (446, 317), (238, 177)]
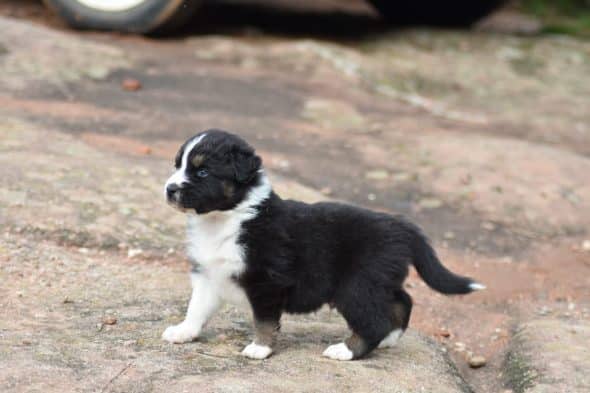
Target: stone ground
[(482, 138)]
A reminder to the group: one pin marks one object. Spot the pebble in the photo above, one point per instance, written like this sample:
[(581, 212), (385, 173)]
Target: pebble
[(544, 311), (586, 245), (146, 150), (402, 176), (430, 203), (378, 174), (109, 320), (488, 226), (459, 346), (449, 235), (133, 252), (476, 361), (131, 84)]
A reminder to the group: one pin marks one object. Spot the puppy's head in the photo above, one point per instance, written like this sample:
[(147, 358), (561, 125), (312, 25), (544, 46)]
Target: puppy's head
[(214, 171)]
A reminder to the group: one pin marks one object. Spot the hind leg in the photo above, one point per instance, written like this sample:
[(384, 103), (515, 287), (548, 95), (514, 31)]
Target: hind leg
[(368, 314), (400, 317)]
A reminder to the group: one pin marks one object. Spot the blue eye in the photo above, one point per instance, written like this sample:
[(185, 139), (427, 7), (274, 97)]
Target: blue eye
[(202, 172)]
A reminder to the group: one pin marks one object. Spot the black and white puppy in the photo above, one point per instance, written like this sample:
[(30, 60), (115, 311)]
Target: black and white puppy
[(247, 245)]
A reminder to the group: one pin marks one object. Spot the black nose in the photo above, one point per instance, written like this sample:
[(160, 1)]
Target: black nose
[(172, 189)]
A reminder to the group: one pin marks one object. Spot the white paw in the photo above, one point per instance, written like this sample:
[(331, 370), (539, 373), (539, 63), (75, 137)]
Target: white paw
[(180, 333), (391, 339), (338, 352), (255, 351)]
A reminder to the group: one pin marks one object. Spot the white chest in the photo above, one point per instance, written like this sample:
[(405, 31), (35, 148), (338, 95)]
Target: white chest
[(213, 245)]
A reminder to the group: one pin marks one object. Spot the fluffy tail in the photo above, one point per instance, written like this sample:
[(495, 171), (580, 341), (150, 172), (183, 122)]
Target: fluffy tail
[(434, 273)]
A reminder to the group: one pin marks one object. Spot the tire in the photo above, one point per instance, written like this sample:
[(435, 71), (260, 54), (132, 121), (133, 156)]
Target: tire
[(131, 16), (435, 12)]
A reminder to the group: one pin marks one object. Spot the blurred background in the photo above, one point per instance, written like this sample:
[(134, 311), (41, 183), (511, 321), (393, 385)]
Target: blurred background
[(470, 117)]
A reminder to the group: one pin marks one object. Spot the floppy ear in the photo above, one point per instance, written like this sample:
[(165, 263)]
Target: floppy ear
[(245, 164)]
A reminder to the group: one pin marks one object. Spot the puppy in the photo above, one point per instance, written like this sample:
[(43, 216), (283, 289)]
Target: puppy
[(247, 245)]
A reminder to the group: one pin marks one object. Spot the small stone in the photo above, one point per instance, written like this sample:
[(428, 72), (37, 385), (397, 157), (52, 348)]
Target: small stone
[(449, 235), (476, 361), (430, 203), (371, 197), (145, 150), (402, 176), (133, 252), (131, 84), (586, 245), (444, 333), (326, 190), (67, 300), (109, 320), (378, 174), (488, 226), (26, 342), (97, 72), (544, 311), (459, 346)]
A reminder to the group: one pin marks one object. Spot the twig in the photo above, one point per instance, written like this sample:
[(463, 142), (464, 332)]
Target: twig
[(212, 355), (104, 388)]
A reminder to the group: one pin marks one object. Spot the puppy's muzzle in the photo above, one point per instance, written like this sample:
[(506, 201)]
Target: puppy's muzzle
[(173, 192)]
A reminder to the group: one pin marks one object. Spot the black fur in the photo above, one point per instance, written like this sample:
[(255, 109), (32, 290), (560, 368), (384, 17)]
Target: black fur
[(301, 256)]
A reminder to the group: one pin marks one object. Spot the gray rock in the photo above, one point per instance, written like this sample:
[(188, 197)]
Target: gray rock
[(546, 355)]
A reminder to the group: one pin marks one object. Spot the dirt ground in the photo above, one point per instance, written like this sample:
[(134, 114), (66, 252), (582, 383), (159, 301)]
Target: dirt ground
[(483, 138)]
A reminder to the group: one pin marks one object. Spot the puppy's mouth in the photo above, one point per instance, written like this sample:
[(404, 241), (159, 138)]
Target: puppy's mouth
[(174, 198)]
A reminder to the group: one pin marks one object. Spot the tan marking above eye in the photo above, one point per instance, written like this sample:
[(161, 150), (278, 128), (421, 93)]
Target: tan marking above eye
[(228, 189), (198, 160)]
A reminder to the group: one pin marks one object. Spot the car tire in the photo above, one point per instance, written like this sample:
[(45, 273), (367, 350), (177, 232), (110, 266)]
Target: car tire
[(132, 16), (435, 12)]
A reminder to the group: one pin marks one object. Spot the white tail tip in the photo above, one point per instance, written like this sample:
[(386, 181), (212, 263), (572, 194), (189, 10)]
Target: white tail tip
[(475, 286)]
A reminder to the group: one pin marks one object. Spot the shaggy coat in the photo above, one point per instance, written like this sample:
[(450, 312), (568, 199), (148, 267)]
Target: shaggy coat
[(247, 245)]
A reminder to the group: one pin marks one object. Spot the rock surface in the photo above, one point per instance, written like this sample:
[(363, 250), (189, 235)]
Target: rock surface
[(50, 345), (547, 355)]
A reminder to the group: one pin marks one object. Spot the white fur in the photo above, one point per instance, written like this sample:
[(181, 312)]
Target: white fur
[(255, 351), (475, 286), (205, 300), (338, 352), (179, 176), (391, 339), (213, 244)]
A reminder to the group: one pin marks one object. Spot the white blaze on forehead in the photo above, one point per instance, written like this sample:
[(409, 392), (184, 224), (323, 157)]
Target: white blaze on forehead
[(179, 176)]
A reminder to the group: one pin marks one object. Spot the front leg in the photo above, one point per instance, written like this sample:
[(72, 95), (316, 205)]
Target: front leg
[(205, 300), (267, 314)]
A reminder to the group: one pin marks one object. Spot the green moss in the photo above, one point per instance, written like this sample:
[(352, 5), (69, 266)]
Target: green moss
[(561, 16), (527, 66), (518, 373)]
